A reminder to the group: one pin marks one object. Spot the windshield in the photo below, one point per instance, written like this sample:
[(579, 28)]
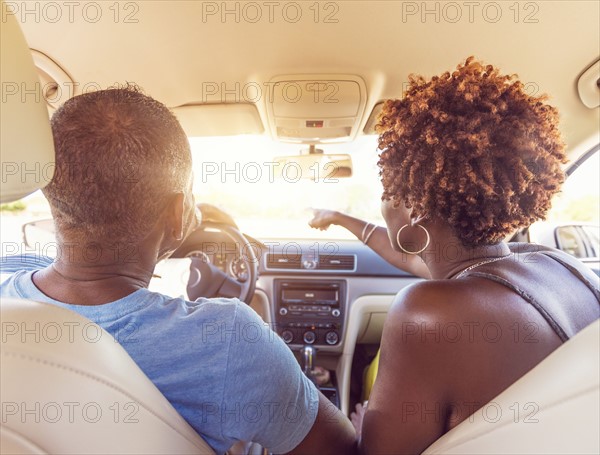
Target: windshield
[(237, 174), (233, 173)]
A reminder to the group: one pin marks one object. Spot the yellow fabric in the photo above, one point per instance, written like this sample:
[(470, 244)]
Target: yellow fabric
[(369, 377)]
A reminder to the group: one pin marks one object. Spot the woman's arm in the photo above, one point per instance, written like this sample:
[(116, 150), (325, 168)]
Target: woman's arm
[(378, 241)]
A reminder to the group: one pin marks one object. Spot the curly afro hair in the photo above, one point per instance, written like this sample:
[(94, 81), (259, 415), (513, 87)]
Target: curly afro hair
[(472, 148)]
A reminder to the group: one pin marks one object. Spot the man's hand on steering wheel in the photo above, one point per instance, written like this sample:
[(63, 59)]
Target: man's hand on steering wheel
[(208, 280)]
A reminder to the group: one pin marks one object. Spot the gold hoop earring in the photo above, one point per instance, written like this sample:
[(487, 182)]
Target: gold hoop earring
[(412, 252)]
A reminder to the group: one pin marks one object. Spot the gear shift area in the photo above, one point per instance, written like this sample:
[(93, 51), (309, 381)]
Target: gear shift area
[(309, 354), (318, 375)]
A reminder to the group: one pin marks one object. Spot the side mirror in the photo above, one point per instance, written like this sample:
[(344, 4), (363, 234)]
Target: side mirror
[(39, 232), (580, 241)]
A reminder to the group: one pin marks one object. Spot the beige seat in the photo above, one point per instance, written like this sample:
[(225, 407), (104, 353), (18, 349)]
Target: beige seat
[(66, 385), (553, 409)]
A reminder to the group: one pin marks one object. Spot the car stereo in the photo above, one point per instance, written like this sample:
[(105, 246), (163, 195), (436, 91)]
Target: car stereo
[(310, 312)]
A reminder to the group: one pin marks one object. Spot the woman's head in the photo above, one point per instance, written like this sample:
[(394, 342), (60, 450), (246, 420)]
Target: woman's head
[(472, 149)]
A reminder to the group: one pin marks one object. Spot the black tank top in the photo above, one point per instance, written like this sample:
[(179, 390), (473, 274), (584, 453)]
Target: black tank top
[(538, 287)]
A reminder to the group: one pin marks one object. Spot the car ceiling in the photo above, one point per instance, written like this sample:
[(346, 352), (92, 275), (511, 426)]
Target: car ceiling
[(172, 48)]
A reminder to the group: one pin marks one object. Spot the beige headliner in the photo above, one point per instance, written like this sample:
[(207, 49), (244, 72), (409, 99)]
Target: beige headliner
[(171, 51)]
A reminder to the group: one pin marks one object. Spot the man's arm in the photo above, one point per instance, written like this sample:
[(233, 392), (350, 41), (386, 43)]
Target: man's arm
[(332, 433)]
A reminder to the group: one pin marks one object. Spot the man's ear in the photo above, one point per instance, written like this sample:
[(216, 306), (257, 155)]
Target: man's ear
[(174, 213)]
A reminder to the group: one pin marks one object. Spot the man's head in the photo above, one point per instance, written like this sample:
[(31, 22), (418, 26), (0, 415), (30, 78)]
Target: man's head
[(121, 159)]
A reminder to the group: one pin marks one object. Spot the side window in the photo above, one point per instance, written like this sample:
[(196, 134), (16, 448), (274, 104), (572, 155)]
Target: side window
[(573, 223), (593, 235)]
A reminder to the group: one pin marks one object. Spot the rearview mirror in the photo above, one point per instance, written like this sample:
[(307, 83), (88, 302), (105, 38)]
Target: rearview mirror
[(315, 166)]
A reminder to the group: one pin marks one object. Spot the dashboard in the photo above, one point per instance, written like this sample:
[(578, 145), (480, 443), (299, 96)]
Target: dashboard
[(329, 295), (305, 288)]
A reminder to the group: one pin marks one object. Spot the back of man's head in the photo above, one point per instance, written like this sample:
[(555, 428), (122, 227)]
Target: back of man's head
[(120, 156)]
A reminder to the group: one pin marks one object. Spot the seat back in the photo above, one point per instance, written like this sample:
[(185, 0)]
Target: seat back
[(555, 408), (68, 387), (27, 148)]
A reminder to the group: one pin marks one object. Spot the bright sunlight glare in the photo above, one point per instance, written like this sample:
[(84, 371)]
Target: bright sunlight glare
[(238, 174)]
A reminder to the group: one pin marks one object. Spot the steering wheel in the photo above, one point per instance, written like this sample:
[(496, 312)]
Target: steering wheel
[(207, 280)]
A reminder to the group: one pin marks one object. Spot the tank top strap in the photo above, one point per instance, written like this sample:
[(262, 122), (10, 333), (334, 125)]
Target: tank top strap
[(571, 308), (529, 299)]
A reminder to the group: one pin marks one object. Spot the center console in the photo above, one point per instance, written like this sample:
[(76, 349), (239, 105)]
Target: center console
[(310, 312), (309, 315)]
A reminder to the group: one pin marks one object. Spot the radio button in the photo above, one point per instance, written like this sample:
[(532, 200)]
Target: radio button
[(288, 336), (332, 338), (309, 337)]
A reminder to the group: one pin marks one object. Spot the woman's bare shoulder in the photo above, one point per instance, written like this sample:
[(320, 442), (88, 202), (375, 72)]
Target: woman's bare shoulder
[(432, 296), (445, 303)]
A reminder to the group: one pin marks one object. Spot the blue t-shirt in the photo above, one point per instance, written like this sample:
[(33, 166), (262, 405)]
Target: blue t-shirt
[(224, 370)]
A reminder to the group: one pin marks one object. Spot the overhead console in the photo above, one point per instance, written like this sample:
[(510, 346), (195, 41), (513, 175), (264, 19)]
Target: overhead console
[(315, 108), (310, 312)]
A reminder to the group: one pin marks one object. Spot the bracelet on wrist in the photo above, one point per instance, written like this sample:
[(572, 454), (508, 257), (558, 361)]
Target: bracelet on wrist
[(362, 235), (370, 234)]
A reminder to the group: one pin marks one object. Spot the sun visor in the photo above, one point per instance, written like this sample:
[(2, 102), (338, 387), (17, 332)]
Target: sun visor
[(199, 120), (315, 108)]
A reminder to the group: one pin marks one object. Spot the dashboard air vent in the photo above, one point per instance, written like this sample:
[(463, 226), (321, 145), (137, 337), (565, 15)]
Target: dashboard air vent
[(337, 262), (283, 261)]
